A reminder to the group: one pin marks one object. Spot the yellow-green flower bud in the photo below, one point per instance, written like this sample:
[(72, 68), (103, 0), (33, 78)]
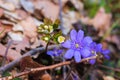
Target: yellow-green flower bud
[(46, 27), (61, 39), (50, 28), (46, 38)]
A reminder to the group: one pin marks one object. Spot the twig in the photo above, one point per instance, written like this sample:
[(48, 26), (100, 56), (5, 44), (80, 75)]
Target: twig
[(6, 52), (44, 68), (46, 48), (110, 68), (69, 72), (30, 53), (74, 72), (87, 72), (68, 75)]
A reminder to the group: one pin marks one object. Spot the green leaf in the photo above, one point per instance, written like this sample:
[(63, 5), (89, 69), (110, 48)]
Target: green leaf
[(42, 26), (56, 24), (57, 21), (91, 7), (93, 11), (105, 4), (102, 3)]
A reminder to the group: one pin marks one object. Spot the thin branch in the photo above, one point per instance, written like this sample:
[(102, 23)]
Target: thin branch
[(70, 69), (110, 68), (68, 75), (46, 48), (6, 52), (87, 72), (74, 72), (44, 68), (30, 53)]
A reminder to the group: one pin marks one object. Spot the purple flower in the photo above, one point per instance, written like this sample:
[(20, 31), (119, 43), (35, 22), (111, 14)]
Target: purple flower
[(94, 49), (55, 52), (78, 45), (106, 53)]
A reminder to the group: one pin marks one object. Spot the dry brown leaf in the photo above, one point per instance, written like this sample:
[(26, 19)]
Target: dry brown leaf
[(62, 1), (1, 12), (21, 14), (4, 29), (6, 22), (37, 43), (37, 22), (16, 15), (47, 8), (11, 55), (17, 27), (115, 39), (21, 45), (102, 21), (7, 5), (16, 36), (27, 62), (46, 77), (27, 5), (108, 78), (78, 4), (15, 2), (69, 18), (30, 29)]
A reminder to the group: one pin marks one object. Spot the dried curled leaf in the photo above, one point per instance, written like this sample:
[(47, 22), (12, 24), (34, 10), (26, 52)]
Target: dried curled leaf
[(30, 29), (47, 8), (4, 29), (1, 12), (21, 45), (28, 63), (104, 21), (27, 5), (7, 5)]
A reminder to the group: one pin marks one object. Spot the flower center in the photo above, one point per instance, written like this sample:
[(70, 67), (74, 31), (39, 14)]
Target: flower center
[(55, 52), (93, 52), (76, 45)]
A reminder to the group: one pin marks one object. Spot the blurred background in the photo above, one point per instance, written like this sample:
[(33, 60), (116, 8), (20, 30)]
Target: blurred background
[(100, 19)]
